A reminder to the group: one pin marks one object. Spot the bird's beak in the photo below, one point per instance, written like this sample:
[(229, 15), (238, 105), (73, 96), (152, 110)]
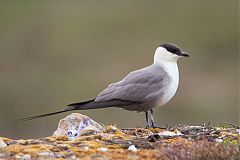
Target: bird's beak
[(184, 54)]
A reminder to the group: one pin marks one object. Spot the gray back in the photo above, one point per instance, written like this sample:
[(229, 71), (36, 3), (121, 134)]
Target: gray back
[(144, 86)]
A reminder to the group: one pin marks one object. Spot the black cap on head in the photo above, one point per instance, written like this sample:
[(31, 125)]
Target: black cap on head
[(174, 49)]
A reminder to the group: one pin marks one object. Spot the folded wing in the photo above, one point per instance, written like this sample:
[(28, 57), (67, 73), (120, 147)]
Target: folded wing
[(137, 86)]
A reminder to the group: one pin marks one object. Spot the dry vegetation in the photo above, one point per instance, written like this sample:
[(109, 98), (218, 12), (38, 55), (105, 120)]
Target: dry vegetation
[(181, 142)]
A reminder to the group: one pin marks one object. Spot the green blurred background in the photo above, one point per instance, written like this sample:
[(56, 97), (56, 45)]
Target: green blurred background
[(53, 53)]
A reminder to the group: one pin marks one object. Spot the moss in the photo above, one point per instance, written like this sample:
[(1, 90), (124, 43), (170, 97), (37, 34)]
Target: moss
[(193, 143)]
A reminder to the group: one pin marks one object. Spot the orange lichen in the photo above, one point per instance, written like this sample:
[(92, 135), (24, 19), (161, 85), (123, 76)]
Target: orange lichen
[(156, 130), (15, 148), (192, 143), (62, 138), (115, 146), (6, 139)]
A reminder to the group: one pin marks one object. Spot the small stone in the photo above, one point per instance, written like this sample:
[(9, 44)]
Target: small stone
[(26, 156), (2, 143), (85, 148), (177, 132), (45, 153), (18, 156), (132, 148), (103, 149), (219, 140), (73, 157), (238, 131), (167, 134), (75, 125)]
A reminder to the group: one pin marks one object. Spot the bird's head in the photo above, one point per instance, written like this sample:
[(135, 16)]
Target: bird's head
[(169, 52)]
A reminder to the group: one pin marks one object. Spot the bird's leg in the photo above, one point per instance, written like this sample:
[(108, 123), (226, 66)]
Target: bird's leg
[(147, 119), (152, 119)]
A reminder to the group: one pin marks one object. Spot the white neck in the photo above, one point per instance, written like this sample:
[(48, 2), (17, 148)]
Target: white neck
[(169, 63), (170, 67)]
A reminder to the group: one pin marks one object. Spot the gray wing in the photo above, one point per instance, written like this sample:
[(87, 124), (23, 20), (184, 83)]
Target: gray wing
[(137, 86)]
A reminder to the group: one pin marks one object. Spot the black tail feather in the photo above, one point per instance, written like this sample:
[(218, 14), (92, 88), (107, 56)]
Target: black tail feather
[(91, 104), (71, 107), (81, 103), (41, 116)]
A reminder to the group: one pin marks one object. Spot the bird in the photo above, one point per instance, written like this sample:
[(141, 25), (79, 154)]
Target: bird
[(141, 90)]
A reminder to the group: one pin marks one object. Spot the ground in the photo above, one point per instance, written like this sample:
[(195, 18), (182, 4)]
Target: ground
[(181, 142)]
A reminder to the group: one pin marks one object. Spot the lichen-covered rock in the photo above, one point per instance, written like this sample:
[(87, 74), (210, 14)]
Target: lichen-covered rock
[(75, 125), (2, 143)]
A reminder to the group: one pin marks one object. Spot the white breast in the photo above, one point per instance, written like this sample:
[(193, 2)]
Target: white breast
[(172, 69)]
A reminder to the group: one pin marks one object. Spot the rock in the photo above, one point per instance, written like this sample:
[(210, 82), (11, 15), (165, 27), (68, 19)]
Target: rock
[(167, 134), (132, 148), (103, 149), (219, 140), (18, 156), (75, 125), (178, 133), (26, 157), (85, 148), (2, 143), (45, 153)]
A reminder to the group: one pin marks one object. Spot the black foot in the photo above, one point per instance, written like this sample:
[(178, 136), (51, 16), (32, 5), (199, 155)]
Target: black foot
[(147, 127)]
